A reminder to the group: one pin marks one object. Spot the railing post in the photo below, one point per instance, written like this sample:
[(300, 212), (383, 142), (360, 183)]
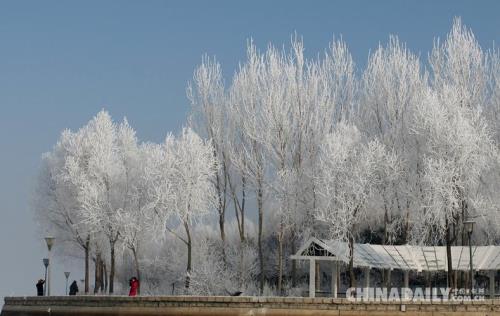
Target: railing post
[(406, 284), (367, 283), (312, 277), (492, 284), (334, 279)]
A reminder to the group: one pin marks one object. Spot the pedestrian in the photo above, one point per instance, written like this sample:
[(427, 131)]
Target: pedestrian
[(73, 288), (134, 286), (39, 287)]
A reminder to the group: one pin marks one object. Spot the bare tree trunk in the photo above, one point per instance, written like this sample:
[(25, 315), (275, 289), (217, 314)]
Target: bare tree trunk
[(239, 211), (352, 280), (112, 269), (87, 255), (386, 236), (451, 276), (261, 251), (221, 209), (189, 263), (221, 187), (294, 263), (98, 273), (243, 198), (386, 222), (241, 267), (101, 275), (407, 223), (105, 278), (242, 227), (280, 261), (222, 235)]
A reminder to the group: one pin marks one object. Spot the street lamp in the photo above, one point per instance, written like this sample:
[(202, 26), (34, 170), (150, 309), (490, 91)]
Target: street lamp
[(66, 274), (50, 242), (469, 227), (46, 264)]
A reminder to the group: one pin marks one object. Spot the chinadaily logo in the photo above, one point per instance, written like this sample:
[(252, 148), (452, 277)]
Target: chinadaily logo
[(414, 294)]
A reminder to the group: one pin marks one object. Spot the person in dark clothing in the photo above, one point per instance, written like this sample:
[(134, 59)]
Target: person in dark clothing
[(73, 288), (39, 287)]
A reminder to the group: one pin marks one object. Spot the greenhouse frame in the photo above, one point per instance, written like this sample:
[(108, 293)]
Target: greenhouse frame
[(406, 258)]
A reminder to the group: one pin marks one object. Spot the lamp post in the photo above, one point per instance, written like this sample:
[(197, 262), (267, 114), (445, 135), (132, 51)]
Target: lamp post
[(469, 227), (46, 264), (50, 242), (66, 274)]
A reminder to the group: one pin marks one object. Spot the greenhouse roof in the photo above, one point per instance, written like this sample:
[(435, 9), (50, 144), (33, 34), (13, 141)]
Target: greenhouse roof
[(403, 257)]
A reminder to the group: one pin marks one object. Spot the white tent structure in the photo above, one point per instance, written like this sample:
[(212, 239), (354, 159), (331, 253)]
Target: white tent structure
[(387, 257)]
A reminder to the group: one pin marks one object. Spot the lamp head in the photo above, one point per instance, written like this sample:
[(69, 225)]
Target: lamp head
[(45, 262), (469, 225), (50, 242), (66, 274)]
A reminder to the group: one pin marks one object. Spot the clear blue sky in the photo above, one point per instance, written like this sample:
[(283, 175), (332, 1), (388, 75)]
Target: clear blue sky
[(62, 61)]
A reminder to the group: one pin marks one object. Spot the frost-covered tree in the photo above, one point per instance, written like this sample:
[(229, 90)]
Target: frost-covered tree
[(458, 150), (457, 140), (400, 154), (92, 172), (493, 101), (250, 156), (351, 169), (282, 105), (392, 86), (208, 99), (183, 186), (102, 185), (134, 217), (330, 97), (56, 204), (489, 225), (277, 110), (460, 62)]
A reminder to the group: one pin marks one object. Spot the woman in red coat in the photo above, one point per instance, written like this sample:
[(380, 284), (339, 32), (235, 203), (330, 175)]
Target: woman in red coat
[(134, 286)]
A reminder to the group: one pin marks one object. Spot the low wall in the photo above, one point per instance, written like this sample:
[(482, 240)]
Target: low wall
[(222, 305)]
